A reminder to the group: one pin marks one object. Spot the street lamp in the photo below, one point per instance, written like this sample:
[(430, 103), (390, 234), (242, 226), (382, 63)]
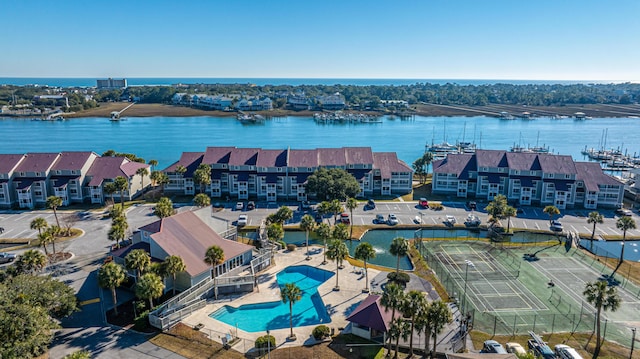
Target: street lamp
[(464, 303), (421, 227)]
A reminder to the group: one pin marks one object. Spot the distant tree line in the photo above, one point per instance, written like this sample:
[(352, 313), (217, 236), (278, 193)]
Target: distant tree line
[(445, 94)]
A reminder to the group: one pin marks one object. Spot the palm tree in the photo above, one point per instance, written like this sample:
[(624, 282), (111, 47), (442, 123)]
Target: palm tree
[(337, 251), (142, 171), (508, 213), (399, 247), (414, 304), (364, 252), (202, 176), (623, 223), (122, 185), (340, 232), (307, 224), (181, 170), (551, 211), (423, 324), (392, 297), (323, 209), (111, 275), (202, 200), (495, 208), (275, 232), (137, 260), (290, 293), (214, 257), (351, 204), (148, 287), (439, 315), (31, 261), (324, 232), (117, 233), (153, 164), (602, 297), (45, 238), (399, 329), (164, 208), (54, 202), (172, 266), (110, 189), (335, 207), (39, 224), (595, 218), (162, 179)]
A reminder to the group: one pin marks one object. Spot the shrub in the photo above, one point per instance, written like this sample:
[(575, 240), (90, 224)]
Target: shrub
[(436, 206), (291, 247), (282, 244), (398, 278), (320, 332), (263, 341), (142, 321)]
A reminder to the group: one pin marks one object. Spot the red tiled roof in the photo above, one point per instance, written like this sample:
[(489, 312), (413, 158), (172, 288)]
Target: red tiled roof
[(8, 162), (332, 157), (189, 160), (130, 168), (303, 158), (272, 158), (244, 156), (454, 164), (388, 162), (37, 162), (370, 313), (217, 155), (71, 160), (112, 167), (359, 155), (187, 236), (592, 175), (557, 164)]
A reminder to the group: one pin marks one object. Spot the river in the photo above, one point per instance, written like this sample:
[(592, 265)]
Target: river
[(165, 138)]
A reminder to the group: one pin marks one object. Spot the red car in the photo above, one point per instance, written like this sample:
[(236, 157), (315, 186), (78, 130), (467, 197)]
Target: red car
[(344, 218), (423, 203)]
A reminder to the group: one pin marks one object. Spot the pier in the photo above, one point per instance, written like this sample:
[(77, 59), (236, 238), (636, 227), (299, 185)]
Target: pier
[(115, 115)]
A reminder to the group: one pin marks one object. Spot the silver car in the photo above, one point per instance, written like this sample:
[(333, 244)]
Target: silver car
[(7, 257)]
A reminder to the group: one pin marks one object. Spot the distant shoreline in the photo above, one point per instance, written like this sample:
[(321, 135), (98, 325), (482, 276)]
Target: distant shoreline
[(425, 110)]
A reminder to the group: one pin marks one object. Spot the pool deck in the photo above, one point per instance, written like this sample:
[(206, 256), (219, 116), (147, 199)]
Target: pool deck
[(339, 304)]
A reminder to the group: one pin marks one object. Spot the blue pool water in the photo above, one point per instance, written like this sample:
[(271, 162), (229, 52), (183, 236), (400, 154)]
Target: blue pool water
[(612, 249), (259, 317)]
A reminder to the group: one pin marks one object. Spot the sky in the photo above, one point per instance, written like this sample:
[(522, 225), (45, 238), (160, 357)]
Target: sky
[(581, 40)]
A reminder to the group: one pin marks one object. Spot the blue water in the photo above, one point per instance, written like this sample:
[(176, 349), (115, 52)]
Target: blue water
[(165, 138), (91, 82), (259, 317), (612, 249)]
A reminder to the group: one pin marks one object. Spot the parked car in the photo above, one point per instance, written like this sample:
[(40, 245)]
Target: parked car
[(515, 348), (423, 203), (370, 205), (450, 220), (242, 220), (624, 212), (251, 206), (472, 205), (556, 226), (318, 217), (239, 206), (392, 220), (379, 219), (566, 352), (7, 257), (344, 218), (541, 350), (492, 346), (305, 205)]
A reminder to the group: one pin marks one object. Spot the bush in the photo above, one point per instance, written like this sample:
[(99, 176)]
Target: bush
[(320, 332), (436, 206), (291, 247), (398, 278), (142, 321), (263, 341), (282, 244)]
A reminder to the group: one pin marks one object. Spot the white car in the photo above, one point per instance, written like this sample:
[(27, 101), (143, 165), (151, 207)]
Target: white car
[(451, 220), (242, 220), (556, 226), (239, 206), (515, 348), (392, 220)]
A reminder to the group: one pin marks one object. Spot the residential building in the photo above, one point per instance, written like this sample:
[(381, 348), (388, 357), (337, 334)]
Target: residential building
[(281, 174), (68, 174), (110, 83), (332, 102), (299, 101), (8, 163), (254, 104), (527, 178), (186, 235), (370, 320), (30, 179), (106, 169)]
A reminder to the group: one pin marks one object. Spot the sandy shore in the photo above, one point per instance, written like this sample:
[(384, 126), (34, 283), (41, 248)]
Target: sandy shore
[(429, 110)]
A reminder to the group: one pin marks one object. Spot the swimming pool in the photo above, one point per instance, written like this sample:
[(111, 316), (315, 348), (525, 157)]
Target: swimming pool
[(259, 317)]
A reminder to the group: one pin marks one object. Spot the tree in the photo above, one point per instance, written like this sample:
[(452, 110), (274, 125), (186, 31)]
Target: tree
[(81, 354), (324, 232), (595, 218), (54, 202), (181, 170), (154, 177), (335, 208), (164, 208), (53, 232), (110, 189), (364, 252), (122, 185), (602, 297), (508, 213), (340, 232), (399, 248), (351, 204), (421, 165), (111, 276), (45, 238), (162, 179), (399, 329), (551, 211), (290, 293), (337, 251), (624, 224), (214, 257), (282, 215), (334, 183), (142, 171), (275, 233), (202, 176), (202, 200), (415, 304), (307, 224), (148, 287), (323, 209), (138, 260), (153, 164), (172, 266), (31, 262), (392, 297), (117, 233), (439, 316), (495, 208), (39, 224)]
